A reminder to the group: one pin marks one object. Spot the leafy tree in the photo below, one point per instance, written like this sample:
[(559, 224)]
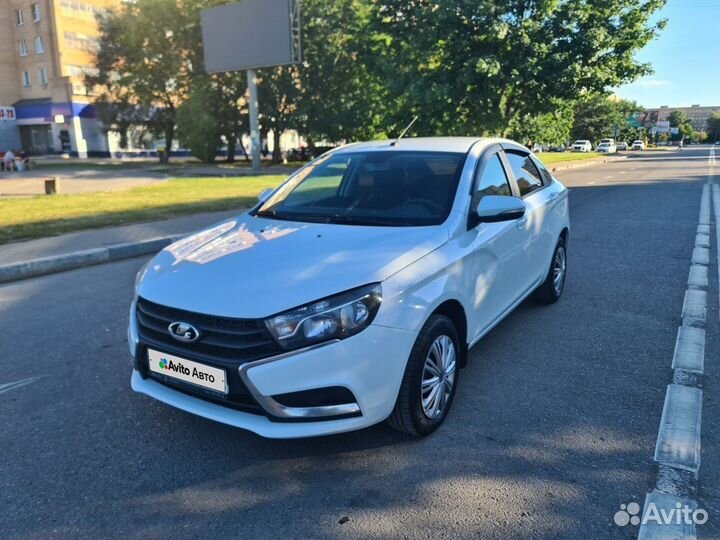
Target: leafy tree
[(197, 125), (713, 126), (679, 119), (599, 115), (473, 66), (334, 94), (140, 64), (547, 129), (342, 93)]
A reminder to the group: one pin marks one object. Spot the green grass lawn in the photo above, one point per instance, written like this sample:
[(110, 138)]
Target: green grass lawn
[(49, 215), (550, 158)]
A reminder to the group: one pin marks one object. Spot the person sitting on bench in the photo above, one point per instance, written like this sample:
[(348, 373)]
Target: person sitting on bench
[(9, 160)]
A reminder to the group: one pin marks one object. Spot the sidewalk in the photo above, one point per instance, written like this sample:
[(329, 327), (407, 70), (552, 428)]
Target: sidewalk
[(20, 260)]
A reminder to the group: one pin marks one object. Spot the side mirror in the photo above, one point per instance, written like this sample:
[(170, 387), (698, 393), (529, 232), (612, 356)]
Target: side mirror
[(496, 208), (264, 194)]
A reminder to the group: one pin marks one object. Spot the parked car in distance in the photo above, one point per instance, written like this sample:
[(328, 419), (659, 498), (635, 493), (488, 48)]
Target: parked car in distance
[(351, 293), (558, 148), (638, 145), (622, 146), (606, 147), (582, 146)]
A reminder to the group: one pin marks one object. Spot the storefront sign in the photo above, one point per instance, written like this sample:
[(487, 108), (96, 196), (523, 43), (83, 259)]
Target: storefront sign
[(7, 113)]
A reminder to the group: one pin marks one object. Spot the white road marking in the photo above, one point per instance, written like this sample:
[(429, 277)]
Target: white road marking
[(698, 277), (609, 176), (701, 255), (694, 306), (656, 531), (17, 384), (711, 157), (702, 240), (705, 206), (677, 450), (690, 349), (678, 442)]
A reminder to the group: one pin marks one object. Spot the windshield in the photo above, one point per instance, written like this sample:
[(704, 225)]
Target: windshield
[(391, 188)]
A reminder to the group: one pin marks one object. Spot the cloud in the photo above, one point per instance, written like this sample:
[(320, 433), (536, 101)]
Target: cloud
[(653, 83)]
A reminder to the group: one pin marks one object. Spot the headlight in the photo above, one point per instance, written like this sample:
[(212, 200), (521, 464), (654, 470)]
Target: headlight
[(336, 317)]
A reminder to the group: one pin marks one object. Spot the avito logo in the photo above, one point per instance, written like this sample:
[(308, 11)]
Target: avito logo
[(179, 368)]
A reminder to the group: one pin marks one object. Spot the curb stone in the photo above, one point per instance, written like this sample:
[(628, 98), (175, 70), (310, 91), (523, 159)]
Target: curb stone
[(80, 259), (584, 163)]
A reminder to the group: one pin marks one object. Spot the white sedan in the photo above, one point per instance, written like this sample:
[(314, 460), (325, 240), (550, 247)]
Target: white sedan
[(582, 146), (351, 293), (606, 148)]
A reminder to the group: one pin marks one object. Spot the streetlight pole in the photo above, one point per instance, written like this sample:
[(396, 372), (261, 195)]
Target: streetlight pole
[(254, 123)]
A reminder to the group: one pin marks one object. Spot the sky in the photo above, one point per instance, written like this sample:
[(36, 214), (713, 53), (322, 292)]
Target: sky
[(685, 57)]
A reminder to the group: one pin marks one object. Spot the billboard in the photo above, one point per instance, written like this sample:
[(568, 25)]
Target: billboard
[(251, 34)]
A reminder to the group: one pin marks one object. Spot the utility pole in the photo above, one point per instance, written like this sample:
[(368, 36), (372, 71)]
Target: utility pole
[(254, 123)]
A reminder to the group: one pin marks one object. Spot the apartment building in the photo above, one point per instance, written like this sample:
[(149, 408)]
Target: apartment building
[(46, 48), (697, 114)]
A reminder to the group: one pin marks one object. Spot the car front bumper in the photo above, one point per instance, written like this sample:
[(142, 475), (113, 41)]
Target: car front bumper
[(370, 364)]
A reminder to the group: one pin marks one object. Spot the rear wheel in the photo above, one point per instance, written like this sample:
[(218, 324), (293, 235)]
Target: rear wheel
[(552, 288), (430, 379)]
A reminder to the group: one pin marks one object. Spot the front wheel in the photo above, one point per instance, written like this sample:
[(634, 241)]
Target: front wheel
[(552, 288), (430, 379)]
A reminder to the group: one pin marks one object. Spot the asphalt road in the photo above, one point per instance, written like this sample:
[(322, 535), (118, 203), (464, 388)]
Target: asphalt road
[(553, 427)]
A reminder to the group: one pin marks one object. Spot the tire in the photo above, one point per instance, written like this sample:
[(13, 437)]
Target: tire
[(550, 291), (409, 414)]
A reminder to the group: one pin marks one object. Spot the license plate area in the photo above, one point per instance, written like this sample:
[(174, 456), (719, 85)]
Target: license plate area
[(188, 371)]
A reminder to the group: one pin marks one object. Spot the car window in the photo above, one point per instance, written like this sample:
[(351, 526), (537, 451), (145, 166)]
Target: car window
[(526, 173), (544, 173), (492, 181), (388, 188)]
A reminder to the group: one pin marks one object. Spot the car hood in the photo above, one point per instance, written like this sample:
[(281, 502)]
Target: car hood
[(255, 267)]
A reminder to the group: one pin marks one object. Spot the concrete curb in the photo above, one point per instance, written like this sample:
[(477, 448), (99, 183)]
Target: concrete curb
[(80, 259), (584, 163)]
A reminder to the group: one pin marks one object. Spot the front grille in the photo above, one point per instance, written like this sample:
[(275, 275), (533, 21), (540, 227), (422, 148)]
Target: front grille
[(222, 339), (224, 343)]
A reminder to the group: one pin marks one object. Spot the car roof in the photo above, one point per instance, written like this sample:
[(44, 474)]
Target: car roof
[(434, 144)]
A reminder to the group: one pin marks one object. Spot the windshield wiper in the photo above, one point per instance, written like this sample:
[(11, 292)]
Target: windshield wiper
[(335, 218)]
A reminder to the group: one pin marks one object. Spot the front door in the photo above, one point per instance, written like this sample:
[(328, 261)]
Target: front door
[(499, 251)]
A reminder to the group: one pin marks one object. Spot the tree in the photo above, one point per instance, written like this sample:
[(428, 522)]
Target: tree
[(197, 125), (713, 126), (473, 66), (547, 129), (679, 119), (140, 64), (599, 115), (335, 93)]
